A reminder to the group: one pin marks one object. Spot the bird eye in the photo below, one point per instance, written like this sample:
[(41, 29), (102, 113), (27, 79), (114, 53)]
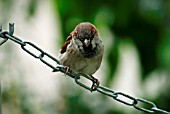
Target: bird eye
[(92, 36), (80, 38)]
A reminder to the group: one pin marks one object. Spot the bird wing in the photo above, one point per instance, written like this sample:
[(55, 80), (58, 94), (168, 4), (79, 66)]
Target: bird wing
[(64, 46)]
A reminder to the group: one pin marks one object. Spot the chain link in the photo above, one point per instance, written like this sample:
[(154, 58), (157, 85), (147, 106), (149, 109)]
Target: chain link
[(118, 96)]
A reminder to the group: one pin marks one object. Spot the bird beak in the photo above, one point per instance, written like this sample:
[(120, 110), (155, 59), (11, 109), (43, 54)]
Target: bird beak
[(86, 42)]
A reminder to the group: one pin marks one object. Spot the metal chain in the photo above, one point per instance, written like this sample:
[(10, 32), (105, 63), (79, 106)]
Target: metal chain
[(118, 96)]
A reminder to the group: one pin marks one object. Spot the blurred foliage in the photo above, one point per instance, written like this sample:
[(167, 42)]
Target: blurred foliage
[(0, 100), (75, 105), (14, 98), (141, 21), (6, 6), (31, 9), (164, 50), (145, 22)]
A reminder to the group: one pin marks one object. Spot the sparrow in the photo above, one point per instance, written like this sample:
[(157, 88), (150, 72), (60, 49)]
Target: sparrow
[(83, 51)]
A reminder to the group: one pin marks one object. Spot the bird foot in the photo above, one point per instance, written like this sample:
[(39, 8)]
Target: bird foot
[(67, 70), (95, 84)]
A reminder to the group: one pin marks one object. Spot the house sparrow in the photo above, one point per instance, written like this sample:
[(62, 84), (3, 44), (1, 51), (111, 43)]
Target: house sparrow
[(83, 51)]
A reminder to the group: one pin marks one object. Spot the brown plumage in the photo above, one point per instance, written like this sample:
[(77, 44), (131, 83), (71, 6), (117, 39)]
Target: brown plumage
[(83, 51)]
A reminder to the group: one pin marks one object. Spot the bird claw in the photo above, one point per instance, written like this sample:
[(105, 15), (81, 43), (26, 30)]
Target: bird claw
[(95, 84), (67, 70)]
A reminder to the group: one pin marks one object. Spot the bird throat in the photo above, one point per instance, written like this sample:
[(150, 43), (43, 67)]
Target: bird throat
[(88, 52), (87, 49)]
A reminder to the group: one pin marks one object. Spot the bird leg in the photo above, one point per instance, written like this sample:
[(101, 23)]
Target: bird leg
[(67, 69), (95, 83)]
